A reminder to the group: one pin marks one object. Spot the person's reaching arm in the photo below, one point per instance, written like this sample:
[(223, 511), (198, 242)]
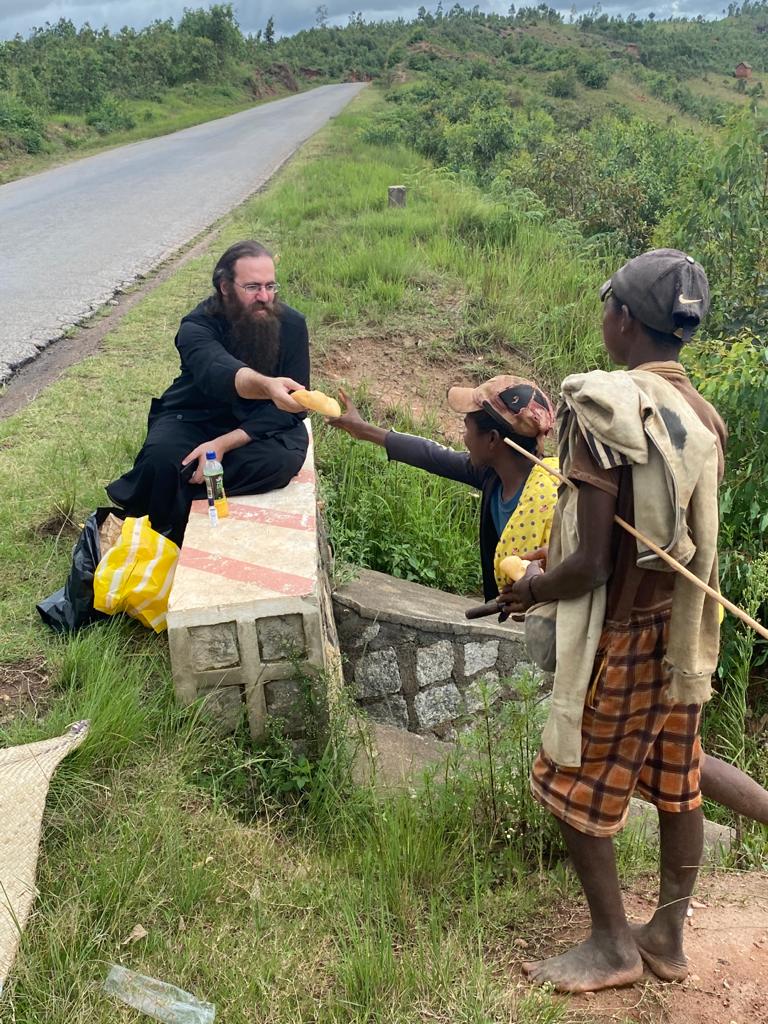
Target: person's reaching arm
[(414, 451), (250, 384)]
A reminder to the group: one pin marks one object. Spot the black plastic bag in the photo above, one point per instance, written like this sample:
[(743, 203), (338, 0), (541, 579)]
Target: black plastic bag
[(71, 607)]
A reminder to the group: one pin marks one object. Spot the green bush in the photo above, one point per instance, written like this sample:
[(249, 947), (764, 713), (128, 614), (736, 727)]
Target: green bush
[(731, 374), (384, 130), (110, 116), (20, 125), (593, 74), (561, 85)]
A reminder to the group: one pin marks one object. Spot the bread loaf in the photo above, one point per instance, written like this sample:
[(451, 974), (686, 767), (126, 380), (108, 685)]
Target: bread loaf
[(316, 401), (514, 567)]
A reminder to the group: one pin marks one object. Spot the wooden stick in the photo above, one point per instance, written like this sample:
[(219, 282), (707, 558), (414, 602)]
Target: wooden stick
[(710, 591), (481, 610)]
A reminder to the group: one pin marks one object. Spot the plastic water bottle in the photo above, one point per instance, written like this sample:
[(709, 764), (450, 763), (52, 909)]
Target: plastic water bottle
[(213, 472)]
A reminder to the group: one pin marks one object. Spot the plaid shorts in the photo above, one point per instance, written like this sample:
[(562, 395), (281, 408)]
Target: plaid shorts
[(633, 740)]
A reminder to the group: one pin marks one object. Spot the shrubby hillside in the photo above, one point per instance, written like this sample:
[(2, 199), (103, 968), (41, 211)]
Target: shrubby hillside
[(62, 87)]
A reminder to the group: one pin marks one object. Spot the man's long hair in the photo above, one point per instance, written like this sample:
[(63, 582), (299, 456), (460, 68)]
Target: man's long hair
[(225, 268)]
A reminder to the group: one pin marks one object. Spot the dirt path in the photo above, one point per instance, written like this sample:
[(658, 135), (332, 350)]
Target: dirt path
[(404, 372), (727, 947)]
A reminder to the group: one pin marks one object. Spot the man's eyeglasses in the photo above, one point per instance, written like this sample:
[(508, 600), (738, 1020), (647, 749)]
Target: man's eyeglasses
[(253, 288)]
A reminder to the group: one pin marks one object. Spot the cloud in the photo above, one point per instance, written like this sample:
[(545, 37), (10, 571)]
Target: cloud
[(290, 15), (20, 16)]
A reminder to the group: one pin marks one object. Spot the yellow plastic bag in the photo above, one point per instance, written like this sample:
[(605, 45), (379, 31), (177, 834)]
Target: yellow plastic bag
[(135, 576)]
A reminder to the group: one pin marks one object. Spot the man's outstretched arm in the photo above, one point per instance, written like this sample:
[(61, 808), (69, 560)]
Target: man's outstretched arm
[(250, 384)]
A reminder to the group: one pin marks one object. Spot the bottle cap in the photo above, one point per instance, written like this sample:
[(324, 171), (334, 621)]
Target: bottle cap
[(211, 455)]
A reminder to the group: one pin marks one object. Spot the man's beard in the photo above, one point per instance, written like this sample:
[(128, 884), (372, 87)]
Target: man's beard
[(255, 340)]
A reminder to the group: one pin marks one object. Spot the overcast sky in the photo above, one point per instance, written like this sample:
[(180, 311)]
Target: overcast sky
[(290, 15)]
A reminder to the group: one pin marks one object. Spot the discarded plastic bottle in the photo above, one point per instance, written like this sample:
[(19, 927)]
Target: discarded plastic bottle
[(157, 999), (213, 472)]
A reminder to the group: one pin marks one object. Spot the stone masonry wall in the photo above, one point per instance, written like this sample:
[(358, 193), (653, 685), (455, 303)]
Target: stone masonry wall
[(411, 658)]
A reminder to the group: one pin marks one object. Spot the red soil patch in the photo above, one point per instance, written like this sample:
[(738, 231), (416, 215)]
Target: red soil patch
[(402, 372), (727, 948)]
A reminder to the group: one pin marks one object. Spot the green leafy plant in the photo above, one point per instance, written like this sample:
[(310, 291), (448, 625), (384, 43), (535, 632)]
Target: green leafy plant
[(109, 116), (593, 74), (562, 85)]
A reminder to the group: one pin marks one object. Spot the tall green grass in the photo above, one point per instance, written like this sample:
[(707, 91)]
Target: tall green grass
[(394, 518), (281, 893), (346, 905)]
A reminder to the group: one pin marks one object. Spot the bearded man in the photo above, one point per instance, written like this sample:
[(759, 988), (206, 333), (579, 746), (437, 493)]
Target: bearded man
[(242, 353)]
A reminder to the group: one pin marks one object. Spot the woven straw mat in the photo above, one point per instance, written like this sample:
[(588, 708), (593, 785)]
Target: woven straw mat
[(25, 773)]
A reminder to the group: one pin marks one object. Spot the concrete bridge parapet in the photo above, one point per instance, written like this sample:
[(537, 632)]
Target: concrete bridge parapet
[(250, 622)]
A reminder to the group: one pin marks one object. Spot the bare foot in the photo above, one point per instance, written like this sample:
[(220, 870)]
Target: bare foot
[(588, 967), (663, 955)]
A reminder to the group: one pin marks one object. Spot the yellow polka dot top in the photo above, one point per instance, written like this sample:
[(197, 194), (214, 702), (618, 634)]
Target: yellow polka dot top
[(529, 525)]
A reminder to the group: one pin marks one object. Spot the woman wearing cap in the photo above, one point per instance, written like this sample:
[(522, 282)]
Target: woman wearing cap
[(518, 498)]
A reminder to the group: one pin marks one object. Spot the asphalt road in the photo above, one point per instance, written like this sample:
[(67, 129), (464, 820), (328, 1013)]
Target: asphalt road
[(72, 236)]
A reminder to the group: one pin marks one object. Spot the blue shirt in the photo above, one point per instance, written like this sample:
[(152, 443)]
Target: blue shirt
[(502, 510)]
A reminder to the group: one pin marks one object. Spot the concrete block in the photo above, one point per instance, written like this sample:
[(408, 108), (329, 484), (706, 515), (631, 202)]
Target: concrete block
[(479, 656), (394, 759), (377, 673), (434, 663), (224, 707), (251, 597), (437, 706), (286, 699), (214, 646), (281, 637)]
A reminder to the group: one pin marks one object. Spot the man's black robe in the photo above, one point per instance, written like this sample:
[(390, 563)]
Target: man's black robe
[(200, 405)]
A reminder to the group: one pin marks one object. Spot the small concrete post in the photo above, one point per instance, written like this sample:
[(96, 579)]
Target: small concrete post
[(396, 195)]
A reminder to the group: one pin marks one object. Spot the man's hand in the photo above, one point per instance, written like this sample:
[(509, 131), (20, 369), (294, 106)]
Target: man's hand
[(250, 384), (539, 556), (516, 598), (221, 445), (279, 391), (199, 454)]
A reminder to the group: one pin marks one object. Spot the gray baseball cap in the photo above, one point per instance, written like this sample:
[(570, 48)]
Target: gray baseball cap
[(664, 289)]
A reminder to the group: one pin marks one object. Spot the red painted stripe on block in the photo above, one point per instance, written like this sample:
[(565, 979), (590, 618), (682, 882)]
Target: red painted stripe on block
[(254, 514), (305, 476), (245, 572)]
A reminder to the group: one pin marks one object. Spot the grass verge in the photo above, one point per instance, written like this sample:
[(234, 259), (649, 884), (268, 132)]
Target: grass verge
[(339, 906)]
